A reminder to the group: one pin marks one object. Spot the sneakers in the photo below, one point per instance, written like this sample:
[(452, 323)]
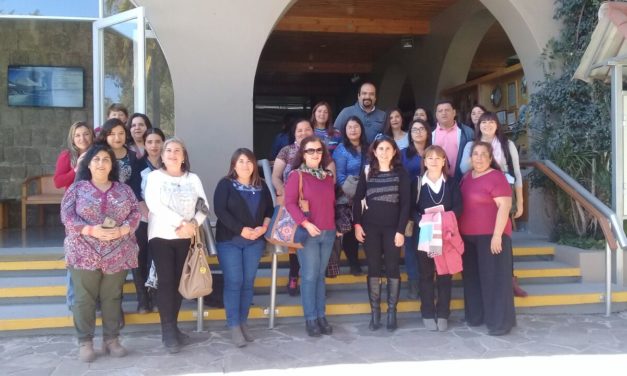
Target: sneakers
[(86, 352), (114, 348), (292, 286)]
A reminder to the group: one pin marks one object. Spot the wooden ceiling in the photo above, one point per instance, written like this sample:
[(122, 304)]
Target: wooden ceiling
[(340, 38)]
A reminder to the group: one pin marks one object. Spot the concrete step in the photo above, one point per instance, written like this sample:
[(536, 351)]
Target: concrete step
[(550, 298), (19, 288)]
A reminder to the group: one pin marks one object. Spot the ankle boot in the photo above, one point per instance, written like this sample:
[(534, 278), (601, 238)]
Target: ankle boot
[(393, 292), (518, 291), (114, 348), (86, 352), (169, 338), (374, 295), (313, 330)]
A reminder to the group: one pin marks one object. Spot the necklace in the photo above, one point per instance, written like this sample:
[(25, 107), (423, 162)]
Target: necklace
[(441, 190)]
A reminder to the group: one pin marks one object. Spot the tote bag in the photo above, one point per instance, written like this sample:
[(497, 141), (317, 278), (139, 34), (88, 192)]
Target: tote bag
[(196, 280)]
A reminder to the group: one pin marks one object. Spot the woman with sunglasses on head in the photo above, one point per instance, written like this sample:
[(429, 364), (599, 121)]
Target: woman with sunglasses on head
[(318, 190), (380, 223), (418, 140)]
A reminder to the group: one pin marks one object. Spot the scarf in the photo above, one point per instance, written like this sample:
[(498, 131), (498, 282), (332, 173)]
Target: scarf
[(497, 151), (320, 173)]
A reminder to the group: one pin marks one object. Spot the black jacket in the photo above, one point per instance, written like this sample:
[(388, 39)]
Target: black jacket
[(232, 210)]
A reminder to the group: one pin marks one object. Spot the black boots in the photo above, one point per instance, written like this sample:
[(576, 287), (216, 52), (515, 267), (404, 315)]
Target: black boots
[(393, 293), (374, 294), (313, 330), (325, 327)]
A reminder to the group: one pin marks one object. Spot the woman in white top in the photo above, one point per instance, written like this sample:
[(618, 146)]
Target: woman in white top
[(172, 193)]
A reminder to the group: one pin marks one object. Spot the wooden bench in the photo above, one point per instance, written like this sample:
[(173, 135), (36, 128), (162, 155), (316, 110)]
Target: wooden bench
[(39, 190)]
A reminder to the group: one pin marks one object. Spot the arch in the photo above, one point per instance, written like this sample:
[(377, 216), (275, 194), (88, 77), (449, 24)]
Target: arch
[(391, 85)]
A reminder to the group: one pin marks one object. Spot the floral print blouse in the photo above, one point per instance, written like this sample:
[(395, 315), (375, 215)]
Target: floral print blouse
[(85, 205)]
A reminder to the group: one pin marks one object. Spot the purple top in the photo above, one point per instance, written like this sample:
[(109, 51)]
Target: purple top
[(85, 205), (321, 197)]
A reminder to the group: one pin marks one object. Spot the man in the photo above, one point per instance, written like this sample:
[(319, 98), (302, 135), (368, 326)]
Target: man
[(451, 136), (372, 118), (117, 111)]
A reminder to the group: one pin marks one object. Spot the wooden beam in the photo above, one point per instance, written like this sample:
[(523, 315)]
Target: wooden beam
[(354, 25), (313, 67)]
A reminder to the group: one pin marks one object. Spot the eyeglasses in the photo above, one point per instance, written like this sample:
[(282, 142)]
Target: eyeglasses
[(418, 130), (312, 151)]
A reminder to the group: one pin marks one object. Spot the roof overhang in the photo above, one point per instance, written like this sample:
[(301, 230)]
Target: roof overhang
[(607, 46)]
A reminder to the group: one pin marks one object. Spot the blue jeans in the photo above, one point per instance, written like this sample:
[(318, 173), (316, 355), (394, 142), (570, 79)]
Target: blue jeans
[(313, 258), (239, 260), (411, 258)]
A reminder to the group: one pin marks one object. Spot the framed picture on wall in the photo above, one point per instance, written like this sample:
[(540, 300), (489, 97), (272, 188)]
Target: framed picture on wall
[(501, 115), (511, 94), (45, 86), (511, 117)]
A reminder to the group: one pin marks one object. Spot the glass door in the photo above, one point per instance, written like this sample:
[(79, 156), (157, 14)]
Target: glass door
[(119, 63)]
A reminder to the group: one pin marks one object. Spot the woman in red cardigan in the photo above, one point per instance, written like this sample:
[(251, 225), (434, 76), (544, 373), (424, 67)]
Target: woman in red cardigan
[(79, 139)]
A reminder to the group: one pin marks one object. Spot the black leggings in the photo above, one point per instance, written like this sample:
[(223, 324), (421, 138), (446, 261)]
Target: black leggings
[(169, 257), (351, 247), (379, 244)]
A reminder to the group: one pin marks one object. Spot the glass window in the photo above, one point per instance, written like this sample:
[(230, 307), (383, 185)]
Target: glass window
[(47, 8), (112, 7)]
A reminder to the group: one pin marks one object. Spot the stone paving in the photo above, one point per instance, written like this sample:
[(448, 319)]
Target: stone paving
[(562, 343)]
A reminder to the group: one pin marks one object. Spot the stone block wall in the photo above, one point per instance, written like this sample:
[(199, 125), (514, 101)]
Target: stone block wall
[(32, 137)]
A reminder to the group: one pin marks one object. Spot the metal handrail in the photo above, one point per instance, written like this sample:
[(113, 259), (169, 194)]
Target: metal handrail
[(611, 227), (271, 311)]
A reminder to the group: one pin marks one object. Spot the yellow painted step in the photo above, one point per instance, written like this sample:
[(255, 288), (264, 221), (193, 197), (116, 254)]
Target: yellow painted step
[(60, 264), (264, 282), (296, 311)]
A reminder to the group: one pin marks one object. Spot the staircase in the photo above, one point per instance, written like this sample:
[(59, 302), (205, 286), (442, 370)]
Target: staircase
[(32, 289)]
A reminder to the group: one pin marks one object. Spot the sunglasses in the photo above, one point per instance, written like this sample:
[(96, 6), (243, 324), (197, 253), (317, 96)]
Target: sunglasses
[(312, 151)]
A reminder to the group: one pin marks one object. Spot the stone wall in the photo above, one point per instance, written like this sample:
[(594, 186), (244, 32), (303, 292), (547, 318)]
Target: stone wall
[(32, 137)]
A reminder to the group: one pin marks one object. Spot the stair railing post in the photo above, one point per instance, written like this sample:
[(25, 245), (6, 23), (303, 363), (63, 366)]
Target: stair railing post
[(200, 314), (608, 280)]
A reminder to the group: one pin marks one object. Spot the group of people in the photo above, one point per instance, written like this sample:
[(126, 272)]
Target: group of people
[(440, 190)]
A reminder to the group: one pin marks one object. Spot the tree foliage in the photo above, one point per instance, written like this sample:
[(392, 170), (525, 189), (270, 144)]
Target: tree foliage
[(570, 119)]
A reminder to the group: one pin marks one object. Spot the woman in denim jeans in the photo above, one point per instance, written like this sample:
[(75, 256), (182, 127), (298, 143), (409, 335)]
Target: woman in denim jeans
[(244, 207), (318, 189)]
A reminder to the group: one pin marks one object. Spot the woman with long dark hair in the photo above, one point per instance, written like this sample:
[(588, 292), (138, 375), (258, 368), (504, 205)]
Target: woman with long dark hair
[(137, 125), (243, 205), (322, 121), (394, 128), (350, 157), (380, 223)]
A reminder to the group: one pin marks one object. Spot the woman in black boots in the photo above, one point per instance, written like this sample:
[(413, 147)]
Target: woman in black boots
[(380, 221)]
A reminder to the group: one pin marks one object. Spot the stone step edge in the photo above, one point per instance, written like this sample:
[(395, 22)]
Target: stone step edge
[(296, 311)]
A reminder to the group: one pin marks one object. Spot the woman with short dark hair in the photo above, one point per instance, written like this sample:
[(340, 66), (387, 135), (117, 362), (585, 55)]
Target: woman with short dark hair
[(100, 217)]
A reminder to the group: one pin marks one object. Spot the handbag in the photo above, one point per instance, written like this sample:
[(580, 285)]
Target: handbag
[(196, 280), (333, 267), (283, 230)]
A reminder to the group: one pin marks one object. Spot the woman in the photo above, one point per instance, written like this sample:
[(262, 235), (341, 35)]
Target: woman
[(419, 139), (486, 229), (384, 188), (474, 115), (318, 189), (114, 134), (437, 189), (153, 140), (172, 195), (137, 125), (323, 126), (244, 207), (100, 216), (282, 166), (349, 159), (79, 139), (423, 114), (506, 156), (394, 128)]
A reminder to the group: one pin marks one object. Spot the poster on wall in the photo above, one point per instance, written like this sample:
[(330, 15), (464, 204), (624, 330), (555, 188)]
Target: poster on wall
[(43, 86)]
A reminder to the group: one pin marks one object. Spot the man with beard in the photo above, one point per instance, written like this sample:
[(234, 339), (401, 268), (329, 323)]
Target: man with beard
[(372, 118)]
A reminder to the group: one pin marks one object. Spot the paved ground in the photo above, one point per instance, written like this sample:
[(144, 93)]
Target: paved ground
[(540, 343)]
